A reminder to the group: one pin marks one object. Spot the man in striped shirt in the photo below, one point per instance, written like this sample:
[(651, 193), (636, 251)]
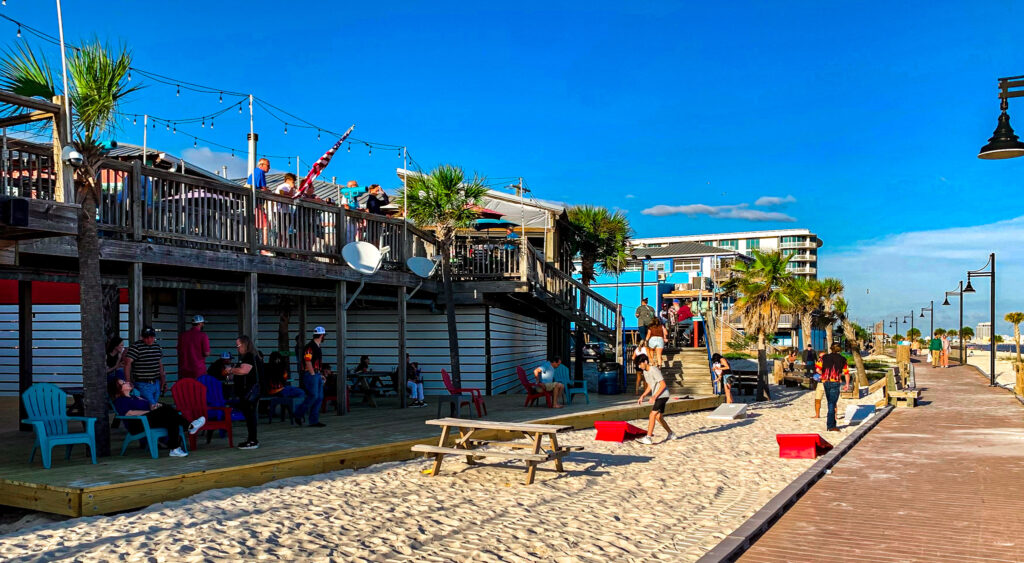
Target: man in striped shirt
[(144, 367)]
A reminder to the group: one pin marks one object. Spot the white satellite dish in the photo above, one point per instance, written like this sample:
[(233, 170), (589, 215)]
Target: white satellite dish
[(422, 267), (364, 258)]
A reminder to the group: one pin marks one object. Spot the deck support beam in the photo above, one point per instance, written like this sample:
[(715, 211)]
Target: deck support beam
[(403, 389), (341, 324), (250, 308), (24, 347), (135, 302)]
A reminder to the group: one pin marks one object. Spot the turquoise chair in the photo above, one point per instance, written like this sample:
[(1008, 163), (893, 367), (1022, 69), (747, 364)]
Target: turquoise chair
[(571, 388), (148, 437), (47, 408)]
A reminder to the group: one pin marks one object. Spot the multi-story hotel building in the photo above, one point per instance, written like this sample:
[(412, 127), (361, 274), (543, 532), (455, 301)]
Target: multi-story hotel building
[(801, 244)]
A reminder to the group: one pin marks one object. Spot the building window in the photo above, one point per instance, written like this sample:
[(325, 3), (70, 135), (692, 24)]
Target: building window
[(655, 266), (730, 244), (632, 267), (686, 264), (753, 244)]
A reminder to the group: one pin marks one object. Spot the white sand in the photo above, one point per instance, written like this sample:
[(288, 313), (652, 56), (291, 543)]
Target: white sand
[(672, 501), (1004, 365)]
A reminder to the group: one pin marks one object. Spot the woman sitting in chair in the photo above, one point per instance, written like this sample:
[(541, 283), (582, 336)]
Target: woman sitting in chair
[(158, 415)]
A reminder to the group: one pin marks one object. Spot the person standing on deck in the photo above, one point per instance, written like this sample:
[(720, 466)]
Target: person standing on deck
[(313, 378), (258, 179), (644, 315), (833, 367), (376, 199), (945, 351), (654, 384), (144, 367), (248, 376), (193, 348)]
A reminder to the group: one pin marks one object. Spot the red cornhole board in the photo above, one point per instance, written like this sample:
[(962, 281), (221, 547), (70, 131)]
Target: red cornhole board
[(616, 431), (801, 446)]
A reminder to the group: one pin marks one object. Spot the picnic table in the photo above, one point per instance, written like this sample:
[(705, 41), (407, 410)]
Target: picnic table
[(468, 445), (369, 382)]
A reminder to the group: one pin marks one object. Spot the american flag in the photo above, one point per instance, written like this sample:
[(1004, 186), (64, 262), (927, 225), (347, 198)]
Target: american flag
[(307, 184)]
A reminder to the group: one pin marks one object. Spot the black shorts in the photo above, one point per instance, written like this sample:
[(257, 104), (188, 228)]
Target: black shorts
[(659, 405)]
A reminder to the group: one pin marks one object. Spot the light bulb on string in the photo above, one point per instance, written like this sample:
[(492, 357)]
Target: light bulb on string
[(175, 131), (370, 151), (129, 76), (203, 124), (178, 93), (135, 121), (19, 30), (195, 143), (317, 134), (350, 147), (285, 128), (232, 153), (211, 123), (239, 107), (168, 126), (289, 161), (221, 98)]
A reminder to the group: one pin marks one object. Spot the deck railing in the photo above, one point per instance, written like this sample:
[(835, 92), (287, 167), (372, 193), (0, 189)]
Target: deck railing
[(27, 171), (485, 258), (144, 203), (569, 292)]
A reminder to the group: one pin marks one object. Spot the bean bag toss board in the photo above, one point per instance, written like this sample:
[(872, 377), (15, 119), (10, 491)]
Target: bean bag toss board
[(616, 431), (801, 446)]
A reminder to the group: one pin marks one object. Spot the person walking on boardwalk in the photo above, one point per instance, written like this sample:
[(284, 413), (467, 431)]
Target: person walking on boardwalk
[(313, 378), (935, 350), (945, 350), (833, 368), (819, 387), (654, 385), (193, 348), (644, 315)]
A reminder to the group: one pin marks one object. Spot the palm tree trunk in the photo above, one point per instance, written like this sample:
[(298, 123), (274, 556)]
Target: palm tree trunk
[(828, 336), (449, 309), (1016, 338), (94, 380), (862, 374), (762, 369), (805, 325), (111, 312)]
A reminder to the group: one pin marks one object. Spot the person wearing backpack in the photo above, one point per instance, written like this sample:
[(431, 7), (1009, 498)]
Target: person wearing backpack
[(248, 376)]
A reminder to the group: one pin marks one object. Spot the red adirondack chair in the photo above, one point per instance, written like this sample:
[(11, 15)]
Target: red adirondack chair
[(478, 398), (190, 398), (533, 390)]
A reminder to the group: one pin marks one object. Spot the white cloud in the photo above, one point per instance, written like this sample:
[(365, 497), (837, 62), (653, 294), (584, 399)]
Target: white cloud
[(630, 196), (739, 211), (894, 275), (769, 200), (212, 160)]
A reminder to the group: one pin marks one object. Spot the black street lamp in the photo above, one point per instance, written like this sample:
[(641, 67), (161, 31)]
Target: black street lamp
[(1004, 143), (988, 271), (911, 317), (960, 328), (895, 323), (931, 325)]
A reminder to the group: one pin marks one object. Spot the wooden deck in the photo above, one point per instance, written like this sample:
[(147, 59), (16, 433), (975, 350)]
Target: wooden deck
[(936, 483), (363, 437)]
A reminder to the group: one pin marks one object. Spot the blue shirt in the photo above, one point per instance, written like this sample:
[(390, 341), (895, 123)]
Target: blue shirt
[(258, 178), (547, 372), (125, 404)]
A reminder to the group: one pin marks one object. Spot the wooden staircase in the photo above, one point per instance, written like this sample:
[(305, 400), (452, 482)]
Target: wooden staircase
[(686, 371)]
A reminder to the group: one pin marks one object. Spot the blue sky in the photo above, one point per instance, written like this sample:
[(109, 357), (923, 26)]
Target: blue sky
[(865, 118)]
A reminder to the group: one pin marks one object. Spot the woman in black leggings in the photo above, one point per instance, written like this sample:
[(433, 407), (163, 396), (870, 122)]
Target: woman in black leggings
[(247, 387), (158, 415)]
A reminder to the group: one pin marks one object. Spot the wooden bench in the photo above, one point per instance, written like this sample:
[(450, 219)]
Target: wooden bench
[(792, 380), (468, 445), (897, 395)]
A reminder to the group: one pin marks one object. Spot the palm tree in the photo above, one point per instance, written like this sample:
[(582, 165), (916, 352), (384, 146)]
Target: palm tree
[(913, 334), (598, 236), (1015, 318), (804, 295), (939, 332), (445, 199), (98, 84), (966, 333), (829, 289), (855, 338), (763, 290)]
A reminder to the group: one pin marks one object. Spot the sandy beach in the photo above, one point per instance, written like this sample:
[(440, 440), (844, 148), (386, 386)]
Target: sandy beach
[(672, 501), (1004, 365)]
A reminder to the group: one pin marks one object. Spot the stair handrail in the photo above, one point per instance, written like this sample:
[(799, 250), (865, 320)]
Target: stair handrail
[(592, 305)]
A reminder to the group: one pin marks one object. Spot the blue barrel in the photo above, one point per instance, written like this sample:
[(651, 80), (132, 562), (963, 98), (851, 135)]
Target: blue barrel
[(608, 381)]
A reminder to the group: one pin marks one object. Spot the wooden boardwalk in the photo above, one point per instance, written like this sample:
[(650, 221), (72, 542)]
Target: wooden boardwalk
[(361, 438), (942, 482)]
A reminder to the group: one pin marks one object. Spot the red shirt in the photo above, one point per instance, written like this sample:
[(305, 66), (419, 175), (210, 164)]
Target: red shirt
[(684, 313), (193, 348)]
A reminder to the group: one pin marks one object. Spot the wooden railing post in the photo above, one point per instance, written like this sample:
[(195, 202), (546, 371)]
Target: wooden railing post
[(618, 334), (250, 223), (64, 190), (134, 197)]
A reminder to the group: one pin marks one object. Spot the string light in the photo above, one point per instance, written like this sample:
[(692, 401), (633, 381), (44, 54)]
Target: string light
[(203, 123), (211, 123), (239, 108), (134, 122), (129, 75), (232, 153), (19, 30), (317, 134), (221, 98), (285, 128), (168, 126), (350, 147), (175, 131), (178, 93), (195, 143)]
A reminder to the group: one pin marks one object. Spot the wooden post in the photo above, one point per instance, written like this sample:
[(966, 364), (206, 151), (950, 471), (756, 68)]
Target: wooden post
[(618, 334), (251, 308), (64, 189), (341, 322), (488, 374), (135, 303), (181, 310), (301, 340), (24, 347), (403, 390), (135, 200), (250, 225)]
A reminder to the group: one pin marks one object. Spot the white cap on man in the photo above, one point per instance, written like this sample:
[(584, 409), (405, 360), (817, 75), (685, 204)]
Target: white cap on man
[(198, 319), (319, 330)]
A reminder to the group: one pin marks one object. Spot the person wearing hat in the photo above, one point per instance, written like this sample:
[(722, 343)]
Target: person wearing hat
[(193, 348), (312, 379), (144, 367)]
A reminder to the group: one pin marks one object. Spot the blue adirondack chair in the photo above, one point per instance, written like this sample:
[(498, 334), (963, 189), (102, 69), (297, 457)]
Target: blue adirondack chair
[(215, 398), (571, 388), (47, 406), (147, 437)]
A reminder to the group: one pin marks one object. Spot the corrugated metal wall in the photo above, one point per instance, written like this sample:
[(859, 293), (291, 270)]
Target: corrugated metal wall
[(515, 340)]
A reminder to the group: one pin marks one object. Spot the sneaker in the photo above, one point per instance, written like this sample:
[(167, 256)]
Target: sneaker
[(645, 440), (670, 436), (317, 425), (248, 445), (297, 420), (196, 425), (178, 452)]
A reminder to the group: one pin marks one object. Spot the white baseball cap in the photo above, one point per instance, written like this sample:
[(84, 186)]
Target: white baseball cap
[(198, 319), (319, 330)]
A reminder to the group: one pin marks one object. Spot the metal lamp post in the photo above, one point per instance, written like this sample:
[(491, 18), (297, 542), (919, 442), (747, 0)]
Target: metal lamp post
[(1004, 143), (960, 327), (931, 325), (988, 271), (895, 323)]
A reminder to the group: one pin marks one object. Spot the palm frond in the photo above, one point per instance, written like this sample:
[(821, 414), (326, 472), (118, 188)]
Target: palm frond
[(25, 73), (99, 83)]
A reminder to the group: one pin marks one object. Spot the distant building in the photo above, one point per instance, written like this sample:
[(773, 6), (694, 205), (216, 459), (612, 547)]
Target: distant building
[(801, 244), (983, 332)]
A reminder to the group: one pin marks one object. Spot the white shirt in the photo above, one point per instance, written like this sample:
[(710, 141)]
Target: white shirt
[(285, 190), (653, 376)]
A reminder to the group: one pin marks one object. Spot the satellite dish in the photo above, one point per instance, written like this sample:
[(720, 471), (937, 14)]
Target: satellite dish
[(362, 257), (422, 267)]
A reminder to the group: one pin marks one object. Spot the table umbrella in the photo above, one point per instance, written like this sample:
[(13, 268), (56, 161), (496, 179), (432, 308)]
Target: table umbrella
[(487, 224)]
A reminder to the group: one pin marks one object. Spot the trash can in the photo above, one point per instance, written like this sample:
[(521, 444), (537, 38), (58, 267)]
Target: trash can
[(608, 379)]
